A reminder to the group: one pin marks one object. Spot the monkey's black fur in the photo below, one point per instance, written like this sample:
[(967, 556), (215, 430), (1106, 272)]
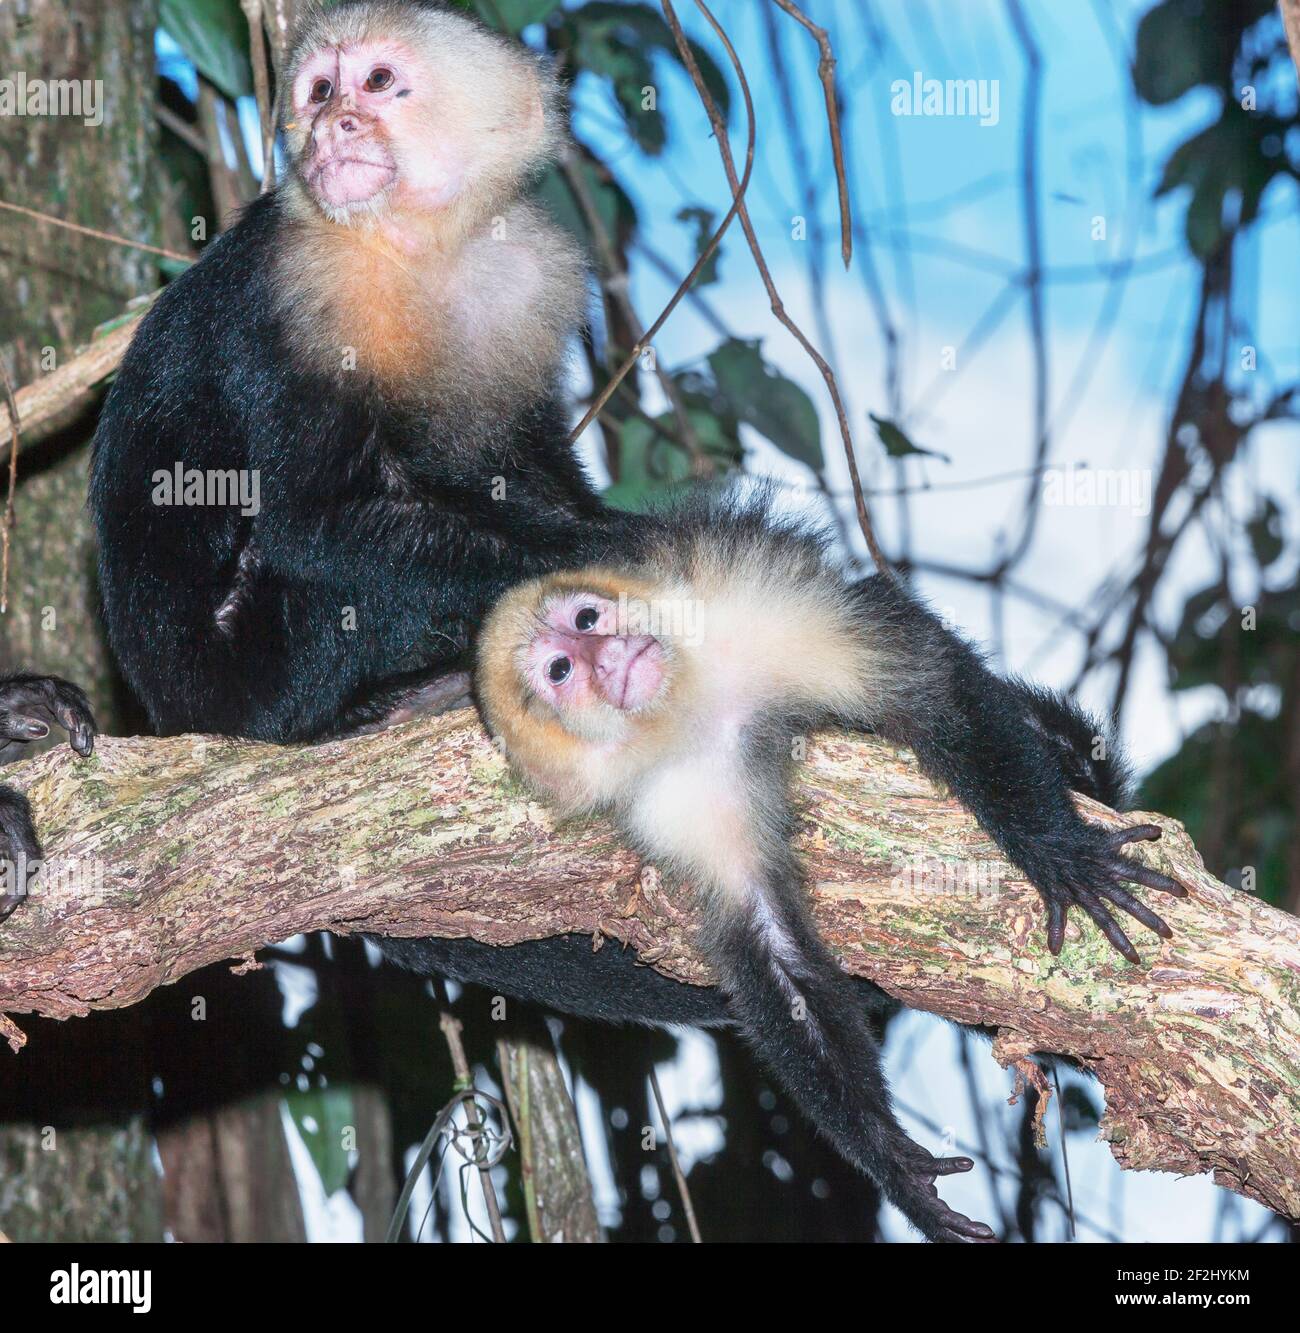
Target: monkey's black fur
[(383, 535)]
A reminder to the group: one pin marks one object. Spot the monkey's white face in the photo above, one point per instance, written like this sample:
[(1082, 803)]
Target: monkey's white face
[(367, 107), (580, 663)]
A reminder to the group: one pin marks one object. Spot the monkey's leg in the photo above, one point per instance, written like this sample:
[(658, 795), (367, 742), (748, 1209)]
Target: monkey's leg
[(421, 696), (29, 706), (971, 730), (802, 1015)]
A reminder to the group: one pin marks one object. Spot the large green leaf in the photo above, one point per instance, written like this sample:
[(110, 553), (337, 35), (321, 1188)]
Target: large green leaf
[(775, 406), (652, 464), (322, 1114), (1183, 43), (616, 212), (214, 35), (619, 42), (1228, 156)]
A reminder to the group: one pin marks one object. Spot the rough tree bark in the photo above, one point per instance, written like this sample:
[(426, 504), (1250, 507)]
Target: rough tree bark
[(170, 855), (95, 1181)]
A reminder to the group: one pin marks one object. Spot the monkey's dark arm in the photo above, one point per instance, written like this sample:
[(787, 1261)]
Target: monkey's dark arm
[(982, 737), (29, 706)]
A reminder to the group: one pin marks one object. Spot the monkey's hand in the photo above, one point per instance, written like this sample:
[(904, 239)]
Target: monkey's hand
[(1090, 874), (914, 1193), (29, 706)]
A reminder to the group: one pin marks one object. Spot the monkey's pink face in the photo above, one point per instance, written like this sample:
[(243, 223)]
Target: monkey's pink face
[(578, 660), (366, 107)]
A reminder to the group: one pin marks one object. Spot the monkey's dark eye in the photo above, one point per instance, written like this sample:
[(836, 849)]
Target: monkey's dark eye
[(559, 670), (379, 79), (321, 90), (587, 618)]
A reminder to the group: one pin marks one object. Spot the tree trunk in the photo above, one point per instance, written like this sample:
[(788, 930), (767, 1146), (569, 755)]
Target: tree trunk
[(167, 855), (101, 1182)]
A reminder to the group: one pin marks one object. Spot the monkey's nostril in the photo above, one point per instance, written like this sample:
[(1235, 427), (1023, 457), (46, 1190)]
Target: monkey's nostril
[(348, 125)]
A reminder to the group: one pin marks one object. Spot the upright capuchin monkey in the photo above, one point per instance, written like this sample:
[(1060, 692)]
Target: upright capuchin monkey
[(604, 700), (341, 436)]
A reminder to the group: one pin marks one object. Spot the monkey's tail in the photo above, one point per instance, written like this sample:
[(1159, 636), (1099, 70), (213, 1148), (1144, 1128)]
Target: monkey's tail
[(808, 1022)]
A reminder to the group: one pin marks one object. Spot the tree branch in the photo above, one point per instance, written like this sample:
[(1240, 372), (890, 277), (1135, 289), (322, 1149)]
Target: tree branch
[(168, 855)]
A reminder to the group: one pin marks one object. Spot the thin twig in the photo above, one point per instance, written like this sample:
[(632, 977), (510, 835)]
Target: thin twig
[(262, 87), (687, 1206), (182, 129), (826, 72), (1065, 1152), (14, 443), (616, 286), (738, 196), (451, 1029), (774, 298), (98, 235)]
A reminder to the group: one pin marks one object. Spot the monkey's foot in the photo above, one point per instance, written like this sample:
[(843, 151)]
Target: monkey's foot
[(915, 1194), (20, 849), (1092, 877), (29, 707)]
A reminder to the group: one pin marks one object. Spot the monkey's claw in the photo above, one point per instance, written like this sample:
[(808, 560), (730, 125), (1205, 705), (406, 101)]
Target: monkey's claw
[(917, 1197), (31, 705), (1093, 881)]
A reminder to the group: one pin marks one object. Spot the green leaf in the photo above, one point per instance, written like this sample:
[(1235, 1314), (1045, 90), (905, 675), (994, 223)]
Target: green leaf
[(214, 35), (1227, 156), (1183, 43), (652, 464), (705, 221), (897, 443), (615, 210), (619, 42), (776, 407), (516, 15), (322, 1114)]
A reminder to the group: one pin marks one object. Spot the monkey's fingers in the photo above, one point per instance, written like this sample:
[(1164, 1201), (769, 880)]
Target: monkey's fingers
[(950, 1166), (22, 726), (961, 1226), (31, 705), (1138, 910), (71, 708), (1134, 870), (1107, 924), (1057, 914)]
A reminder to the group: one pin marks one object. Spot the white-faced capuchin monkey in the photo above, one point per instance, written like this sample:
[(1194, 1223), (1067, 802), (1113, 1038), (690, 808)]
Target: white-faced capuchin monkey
[(669, 692), (379, 343)]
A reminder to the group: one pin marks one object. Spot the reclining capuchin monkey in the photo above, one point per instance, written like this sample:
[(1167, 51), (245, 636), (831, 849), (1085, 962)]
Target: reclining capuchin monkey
[(688, 740)]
